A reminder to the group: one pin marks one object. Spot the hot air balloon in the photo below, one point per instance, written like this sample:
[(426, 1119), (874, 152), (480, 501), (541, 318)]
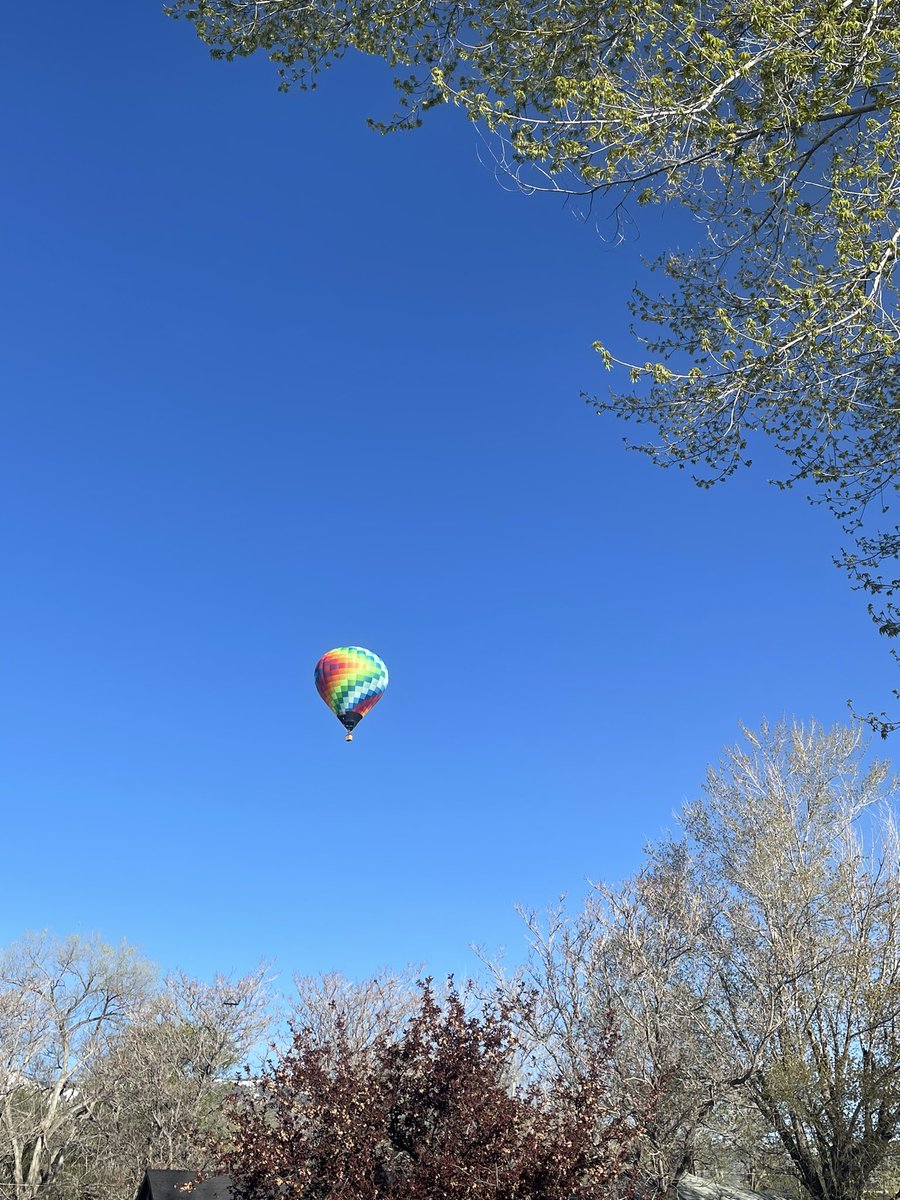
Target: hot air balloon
[(350, 680)]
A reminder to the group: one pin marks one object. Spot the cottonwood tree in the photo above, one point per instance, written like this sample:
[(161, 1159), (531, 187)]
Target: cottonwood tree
[(160, 1086), (776, 124), (429, 1112), (756, 961), (798, 840), (61, 1001), (649, 959), (630, 965)]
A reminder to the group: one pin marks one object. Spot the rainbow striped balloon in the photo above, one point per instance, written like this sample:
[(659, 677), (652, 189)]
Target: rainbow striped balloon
[(350, 680)]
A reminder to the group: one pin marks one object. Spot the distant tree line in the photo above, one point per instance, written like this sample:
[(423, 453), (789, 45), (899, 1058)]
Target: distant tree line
[(732, 1009)]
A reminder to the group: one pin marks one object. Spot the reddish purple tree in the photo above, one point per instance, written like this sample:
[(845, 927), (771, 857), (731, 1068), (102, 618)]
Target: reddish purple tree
[(442, 1109)]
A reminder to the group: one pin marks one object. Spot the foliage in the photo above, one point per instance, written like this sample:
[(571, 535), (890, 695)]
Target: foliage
[(330, 1006), (102, 1070), (751, 971), (735, 1003), (433, 1111), (629, 963), (777, 125), (60, 1000), (160, 1087), (795, 850), (736, 1145)]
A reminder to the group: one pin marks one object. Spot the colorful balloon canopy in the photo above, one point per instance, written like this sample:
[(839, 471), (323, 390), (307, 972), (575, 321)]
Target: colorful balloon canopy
[(351, 680)]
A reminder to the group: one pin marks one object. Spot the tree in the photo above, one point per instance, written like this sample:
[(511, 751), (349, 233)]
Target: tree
[(160, 1086), (330, 1006), (104, 1072), (736, 1146), (794, 844), (61, 1000), (755, 963), (427, 1112), (630, 964), (777, 125)]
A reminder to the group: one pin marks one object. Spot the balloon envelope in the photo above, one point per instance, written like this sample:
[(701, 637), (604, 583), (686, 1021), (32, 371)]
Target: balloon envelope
[(351, 680)]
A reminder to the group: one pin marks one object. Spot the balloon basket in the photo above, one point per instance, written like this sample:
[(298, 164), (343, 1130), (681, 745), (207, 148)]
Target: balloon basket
[(349, 737)]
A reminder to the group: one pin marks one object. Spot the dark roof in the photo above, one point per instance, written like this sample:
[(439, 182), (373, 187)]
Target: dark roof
[(171, 1185)]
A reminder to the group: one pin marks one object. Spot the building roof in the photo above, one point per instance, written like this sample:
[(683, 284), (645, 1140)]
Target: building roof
[(175, 1185)]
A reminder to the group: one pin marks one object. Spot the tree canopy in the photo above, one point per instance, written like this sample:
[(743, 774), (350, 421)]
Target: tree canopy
[(794, 845), (437, 1108), (753, 964), (776, 124), (104, 1068)]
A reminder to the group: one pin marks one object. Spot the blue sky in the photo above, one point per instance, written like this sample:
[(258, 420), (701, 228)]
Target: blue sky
[(270, 384)]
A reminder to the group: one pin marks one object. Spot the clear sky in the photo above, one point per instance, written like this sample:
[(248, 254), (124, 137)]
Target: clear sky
[(272, 383)]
